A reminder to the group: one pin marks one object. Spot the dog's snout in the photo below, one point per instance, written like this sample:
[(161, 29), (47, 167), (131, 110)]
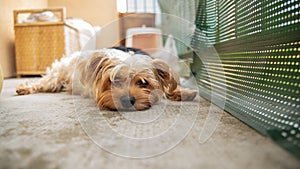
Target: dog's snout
[(127, 101)]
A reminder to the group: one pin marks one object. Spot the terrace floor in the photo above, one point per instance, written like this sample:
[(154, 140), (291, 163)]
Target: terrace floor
[(64, 131)]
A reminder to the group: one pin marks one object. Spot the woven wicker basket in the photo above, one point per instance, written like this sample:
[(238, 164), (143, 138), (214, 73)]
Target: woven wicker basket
[(38, 44)]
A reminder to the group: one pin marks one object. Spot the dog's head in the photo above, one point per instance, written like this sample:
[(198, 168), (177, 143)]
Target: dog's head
[(133, 84)]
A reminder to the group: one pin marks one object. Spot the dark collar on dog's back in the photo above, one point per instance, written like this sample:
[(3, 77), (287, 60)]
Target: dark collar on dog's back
[(130, 49)]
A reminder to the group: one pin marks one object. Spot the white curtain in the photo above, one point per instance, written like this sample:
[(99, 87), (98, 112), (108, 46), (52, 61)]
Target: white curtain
[(178, 18)]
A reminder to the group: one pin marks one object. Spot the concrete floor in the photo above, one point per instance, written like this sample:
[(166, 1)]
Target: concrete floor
[(62, 131)]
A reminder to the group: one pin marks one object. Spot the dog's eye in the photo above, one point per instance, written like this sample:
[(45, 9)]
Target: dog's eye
[(143, 83)]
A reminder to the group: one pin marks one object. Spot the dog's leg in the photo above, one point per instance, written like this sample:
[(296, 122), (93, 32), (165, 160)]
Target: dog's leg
[(47, 83), (58, 78)]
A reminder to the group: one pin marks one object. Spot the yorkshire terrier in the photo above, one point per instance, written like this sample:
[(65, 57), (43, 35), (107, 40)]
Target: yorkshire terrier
[(118, 78)]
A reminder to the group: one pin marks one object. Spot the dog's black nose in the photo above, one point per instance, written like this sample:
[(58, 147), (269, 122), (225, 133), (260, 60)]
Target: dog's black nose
[(127, 101)]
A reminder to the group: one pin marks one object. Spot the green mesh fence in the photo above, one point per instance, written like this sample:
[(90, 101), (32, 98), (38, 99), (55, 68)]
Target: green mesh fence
[(258, 42)]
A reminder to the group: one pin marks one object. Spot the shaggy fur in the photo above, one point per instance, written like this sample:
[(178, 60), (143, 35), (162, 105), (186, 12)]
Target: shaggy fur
[(117, 80)]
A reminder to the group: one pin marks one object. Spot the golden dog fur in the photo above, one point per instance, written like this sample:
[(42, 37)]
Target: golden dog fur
[(117, 80)]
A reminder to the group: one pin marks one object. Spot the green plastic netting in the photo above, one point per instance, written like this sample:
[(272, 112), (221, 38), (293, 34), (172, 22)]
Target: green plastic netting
[(258, 42)]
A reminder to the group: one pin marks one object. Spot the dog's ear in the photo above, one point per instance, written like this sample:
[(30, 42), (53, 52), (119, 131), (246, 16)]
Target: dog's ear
[(167, 78), (92, 68), (97, 65), (169, 81), (97, 62)]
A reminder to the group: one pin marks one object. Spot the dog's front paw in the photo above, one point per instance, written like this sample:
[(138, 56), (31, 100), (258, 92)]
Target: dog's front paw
[(188, 95), (181, 94)]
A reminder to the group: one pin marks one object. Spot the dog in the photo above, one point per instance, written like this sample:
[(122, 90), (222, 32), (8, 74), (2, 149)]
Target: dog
[(118, 78)]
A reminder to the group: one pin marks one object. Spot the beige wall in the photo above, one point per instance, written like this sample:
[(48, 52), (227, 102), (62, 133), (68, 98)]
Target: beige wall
[(101, 13), (7, 54), (97, 12)]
